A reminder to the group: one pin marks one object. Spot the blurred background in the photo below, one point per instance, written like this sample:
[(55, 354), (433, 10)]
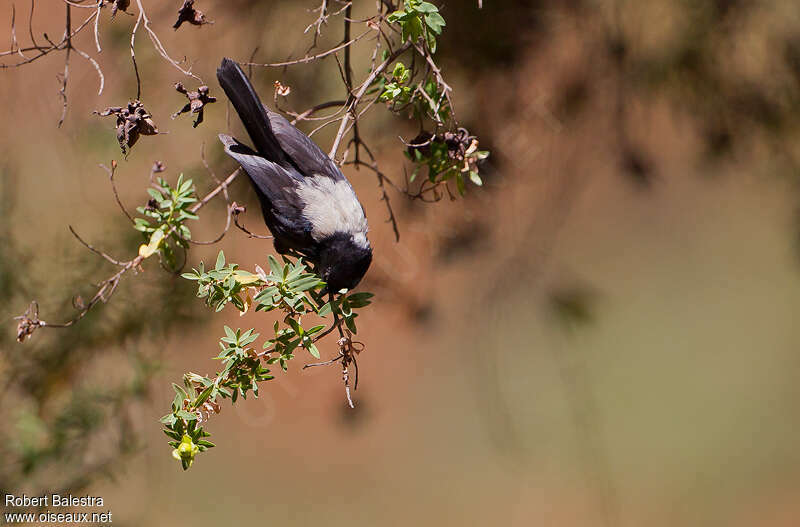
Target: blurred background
[(603, 335)]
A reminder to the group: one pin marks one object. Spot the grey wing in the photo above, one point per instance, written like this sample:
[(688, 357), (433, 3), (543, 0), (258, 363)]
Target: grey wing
[(304, 152), (276, 188)]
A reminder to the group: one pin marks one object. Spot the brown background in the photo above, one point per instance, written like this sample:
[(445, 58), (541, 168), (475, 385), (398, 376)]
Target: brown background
[(605, 334)]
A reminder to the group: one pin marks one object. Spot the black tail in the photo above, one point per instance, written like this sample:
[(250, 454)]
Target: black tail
[(252, 113)]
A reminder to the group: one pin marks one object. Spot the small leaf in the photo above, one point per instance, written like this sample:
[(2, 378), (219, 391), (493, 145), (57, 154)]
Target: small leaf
[(304, 284), (203, 397), (186, 416), (325, 310), (350, 323), (274, 266), (245, 278), (427, 7), (145, 251), (435, 22), (359, 299), (315, 329)]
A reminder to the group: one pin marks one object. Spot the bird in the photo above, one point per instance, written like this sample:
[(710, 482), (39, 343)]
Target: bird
[(308, 205)]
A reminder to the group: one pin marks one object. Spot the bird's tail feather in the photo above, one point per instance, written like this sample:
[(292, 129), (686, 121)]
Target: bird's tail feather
[(250, 109)]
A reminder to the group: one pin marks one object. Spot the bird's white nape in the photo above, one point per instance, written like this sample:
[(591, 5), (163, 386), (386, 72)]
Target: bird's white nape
[(332, 206)]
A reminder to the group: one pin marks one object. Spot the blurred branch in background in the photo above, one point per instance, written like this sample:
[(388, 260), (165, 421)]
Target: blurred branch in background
[(70, 399)]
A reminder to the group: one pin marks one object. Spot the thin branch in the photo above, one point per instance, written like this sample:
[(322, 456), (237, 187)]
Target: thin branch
[(110, 172), (318, 23), (96, 68), (222, 187), (30, 24), (30, 321), (212, 173), (133, 57), (223, 233), (44, 50), (306, 115), (384, 195), (367, 83), (142, 18), (68, 38), (235, 210), (95, 250), (307, 59), (97, 27)]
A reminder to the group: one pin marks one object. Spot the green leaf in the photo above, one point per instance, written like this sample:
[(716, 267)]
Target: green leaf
[(399, 70), (156, 195), (171, 434), (435, 22), (186, 416), (315, 329), (180, 391), (415, 25), (394, 17), (427, 7), (220, 261), (350, 323), (312, 348), (304, 284), (357, 300), (203, 397), (430, 38), (274, 266), (296, 326)]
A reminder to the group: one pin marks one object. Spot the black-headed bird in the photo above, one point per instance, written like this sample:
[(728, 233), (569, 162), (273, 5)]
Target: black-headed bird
[(308, 204)]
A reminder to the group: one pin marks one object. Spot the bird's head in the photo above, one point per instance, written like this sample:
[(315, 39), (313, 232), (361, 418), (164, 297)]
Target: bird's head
[(344, 261)]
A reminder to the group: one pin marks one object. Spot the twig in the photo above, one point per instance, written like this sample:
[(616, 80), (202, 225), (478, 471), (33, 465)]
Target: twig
[(133, 57), (222, 187), (305, 116), (307, 59), (143, 19), (364, 87), (30, 321), (384, 195), (111, 172), (97, 27), (68, 38), (96, 68), (44, 50), (14, 45), (211, 172), (321, 19), (30, 24), (348, 349), (93, 249), (222, 234), (236, 209)]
